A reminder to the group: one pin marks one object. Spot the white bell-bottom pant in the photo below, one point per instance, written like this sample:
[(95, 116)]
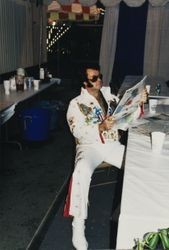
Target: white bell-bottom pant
[(88, 157)]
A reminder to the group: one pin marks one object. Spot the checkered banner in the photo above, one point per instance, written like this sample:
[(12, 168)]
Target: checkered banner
[(72, 12)]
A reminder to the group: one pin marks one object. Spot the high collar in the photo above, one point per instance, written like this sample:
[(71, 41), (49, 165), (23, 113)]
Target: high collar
[(85, 93)]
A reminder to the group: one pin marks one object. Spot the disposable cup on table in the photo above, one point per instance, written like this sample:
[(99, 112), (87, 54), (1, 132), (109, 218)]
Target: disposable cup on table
[(152, 106), (7, 87), (157, 141), (13, 83), (36, 84)]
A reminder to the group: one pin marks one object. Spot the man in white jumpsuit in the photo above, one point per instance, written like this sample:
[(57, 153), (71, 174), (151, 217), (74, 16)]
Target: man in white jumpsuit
[(90, 120)]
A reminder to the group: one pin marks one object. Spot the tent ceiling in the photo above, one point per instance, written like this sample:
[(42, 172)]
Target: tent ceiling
[(106, 3), (86, 10)]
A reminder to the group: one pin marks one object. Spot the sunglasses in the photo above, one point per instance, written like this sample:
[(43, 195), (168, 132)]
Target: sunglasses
[(95, 78)]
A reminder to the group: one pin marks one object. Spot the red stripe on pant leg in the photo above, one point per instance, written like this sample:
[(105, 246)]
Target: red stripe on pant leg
[(141, 111), (67, 203)]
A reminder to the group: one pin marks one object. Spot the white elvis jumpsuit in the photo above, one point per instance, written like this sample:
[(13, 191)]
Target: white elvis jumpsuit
[(92, 148)]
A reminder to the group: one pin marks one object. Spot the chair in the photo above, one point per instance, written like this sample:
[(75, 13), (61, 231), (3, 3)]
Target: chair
[(104, 174)]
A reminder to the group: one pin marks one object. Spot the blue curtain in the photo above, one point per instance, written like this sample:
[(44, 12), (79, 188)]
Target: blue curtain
[(130, 42)]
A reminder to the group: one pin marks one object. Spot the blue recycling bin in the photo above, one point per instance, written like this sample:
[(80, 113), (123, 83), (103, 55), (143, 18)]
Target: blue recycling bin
[(35, 124), (53, 107)]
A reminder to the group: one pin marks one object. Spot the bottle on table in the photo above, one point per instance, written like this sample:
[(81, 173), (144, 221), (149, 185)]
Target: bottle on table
[(41, 74), (19, 78), (158, 88)]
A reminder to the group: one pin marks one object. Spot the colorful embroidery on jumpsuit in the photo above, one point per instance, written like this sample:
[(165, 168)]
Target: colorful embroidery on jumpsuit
[(91, 115)]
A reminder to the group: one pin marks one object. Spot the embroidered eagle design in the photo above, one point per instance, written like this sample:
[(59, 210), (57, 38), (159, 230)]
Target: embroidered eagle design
[(85, 109)]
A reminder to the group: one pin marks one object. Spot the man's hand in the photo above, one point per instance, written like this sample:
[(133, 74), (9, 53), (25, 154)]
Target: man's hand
[(107, 124), (144, 96)]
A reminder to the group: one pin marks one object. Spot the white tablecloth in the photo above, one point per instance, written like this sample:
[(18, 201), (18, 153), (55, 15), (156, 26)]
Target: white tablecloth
[(145, 195)]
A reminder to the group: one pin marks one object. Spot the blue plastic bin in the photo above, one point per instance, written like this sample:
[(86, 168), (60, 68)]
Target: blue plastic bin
[(53, 107), (35, 124)]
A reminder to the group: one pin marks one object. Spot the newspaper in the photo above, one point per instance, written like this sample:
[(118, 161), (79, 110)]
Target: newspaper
[(130, 100)]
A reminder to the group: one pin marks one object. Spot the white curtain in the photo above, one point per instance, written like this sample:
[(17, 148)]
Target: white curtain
[(134, 3), (108, 42), (163, 70), (156, 55), (20, 42), (15, 39), (26, 52), (39, 20), (156, 52)]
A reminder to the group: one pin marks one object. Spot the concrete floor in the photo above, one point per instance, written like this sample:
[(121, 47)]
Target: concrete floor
[(59, 234), (30, 179), (28, 184)]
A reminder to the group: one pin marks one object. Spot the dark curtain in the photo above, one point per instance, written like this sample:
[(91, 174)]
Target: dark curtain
[(130, 42)]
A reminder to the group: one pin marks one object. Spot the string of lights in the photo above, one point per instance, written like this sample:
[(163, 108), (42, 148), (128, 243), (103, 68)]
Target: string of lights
[(54, 33)]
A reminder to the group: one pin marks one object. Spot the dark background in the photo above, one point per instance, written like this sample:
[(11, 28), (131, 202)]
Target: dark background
[(80, 45)]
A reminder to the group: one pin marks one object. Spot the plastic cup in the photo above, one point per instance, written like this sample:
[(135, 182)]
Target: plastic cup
[(7, 87), (157, 141), (13, 83), (36, 84), (152, 106)]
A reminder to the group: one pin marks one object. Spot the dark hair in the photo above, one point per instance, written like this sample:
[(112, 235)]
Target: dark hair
[(84, 73)]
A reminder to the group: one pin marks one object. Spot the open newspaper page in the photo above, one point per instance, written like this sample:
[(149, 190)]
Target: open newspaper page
[(129, 102)]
